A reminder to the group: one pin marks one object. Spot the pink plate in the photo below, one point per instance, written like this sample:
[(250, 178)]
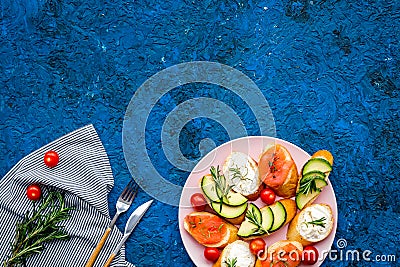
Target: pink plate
[(253, 146)]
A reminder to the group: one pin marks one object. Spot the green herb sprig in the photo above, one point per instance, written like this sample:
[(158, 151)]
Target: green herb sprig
[(222, 187), (319, 222), (37, 228), (231, 262), (237, 174), (253, 218), (308, 185)]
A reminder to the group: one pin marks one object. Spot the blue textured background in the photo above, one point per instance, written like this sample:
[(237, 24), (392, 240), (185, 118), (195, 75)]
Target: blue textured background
[(329, 70)]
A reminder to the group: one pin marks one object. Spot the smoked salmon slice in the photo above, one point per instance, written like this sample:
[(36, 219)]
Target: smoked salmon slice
[(278, 171)]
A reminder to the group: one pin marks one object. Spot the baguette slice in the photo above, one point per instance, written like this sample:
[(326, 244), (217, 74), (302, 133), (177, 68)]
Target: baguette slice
[(279, 171), (326, 155), (238, 250), (196, 223), (237, 220), (291, 209), (293, 252), (300, 229), (241, 172)]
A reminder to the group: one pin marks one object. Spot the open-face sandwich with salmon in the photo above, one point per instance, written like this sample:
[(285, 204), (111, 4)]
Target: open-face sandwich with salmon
[(210, 230), (282, 254), (278, 171)]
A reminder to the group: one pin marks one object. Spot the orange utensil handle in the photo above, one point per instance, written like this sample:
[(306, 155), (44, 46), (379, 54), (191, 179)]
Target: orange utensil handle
[(98, 248), (110, 259)]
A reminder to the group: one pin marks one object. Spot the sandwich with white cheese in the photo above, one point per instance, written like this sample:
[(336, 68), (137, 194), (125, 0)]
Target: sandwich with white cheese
[(241, 172), (236, 254), (312, 224)]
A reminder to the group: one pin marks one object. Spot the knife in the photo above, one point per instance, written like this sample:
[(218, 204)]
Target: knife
[(130, 225)]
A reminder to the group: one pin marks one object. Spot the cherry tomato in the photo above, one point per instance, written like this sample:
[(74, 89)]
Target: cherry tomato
[(33, 192), (198, 202), (310, 255), (257, 246), (51, 159), (268, 196), (212, 254)]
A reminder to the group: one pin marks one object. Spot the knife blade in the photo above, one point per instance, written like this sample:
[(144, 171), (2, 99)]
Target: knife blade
[(129, 227)]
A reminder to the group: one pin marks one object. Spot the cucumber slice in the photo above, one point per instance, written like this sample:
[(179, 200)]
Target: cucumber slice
[(317, 164), (209, 189), (211, 192), (247, 228), (255, 212), (267, 218), (303, 199), (234, 199), (227, 211), (279, 213), (313, 175)]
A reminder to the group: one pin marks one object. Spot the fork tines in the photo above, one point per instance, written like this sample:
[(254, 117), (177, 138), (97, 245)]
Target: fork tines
[(130, 191)]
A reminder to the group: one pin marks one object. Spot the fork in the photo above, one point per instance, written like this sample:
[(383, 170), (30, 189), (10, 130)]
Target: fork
[(123, 203)]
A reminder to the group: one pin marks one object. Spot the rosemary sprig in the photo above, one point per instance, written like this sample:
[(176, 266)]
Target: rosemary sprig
[(252, 217), (237, 174), (231, 262), (308, 185), (37, 228), (222, 188), (319, 222), (271, 164)]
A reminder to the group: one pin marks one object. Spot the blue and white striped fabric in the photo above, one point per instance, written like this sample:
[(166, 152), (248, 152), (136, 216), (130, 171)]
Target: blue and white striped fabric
[(84, 173)]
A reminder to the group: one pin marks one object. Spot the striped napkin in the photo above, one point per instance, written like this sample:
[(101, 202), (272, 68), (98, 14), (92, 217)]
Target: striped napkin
[(84, 173)]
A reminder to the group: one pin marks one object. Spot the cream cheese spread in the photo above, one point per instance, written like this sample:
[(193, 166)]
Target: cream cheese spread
[(315, 223), (240, 251), (241, 172)]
